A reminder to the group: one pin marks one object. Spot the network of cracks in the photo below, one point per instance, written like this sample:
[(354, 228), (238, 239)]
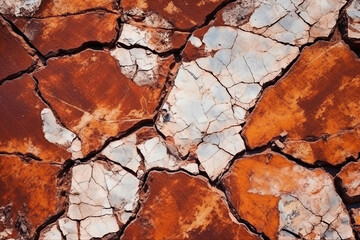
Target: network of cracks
[(211, 119)]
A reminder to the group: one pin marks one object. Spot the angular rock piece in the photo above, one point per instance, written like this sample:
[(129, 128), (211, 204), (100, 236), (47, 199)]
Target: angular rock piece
[(50, 35), (349, 180), (28, 195), (156, 39), (353, 20), (178, 206), (315, 109), (51, 8), (21, 127), (15, 55), (102, 197), (93, 98), (276, 195), (179, 14)]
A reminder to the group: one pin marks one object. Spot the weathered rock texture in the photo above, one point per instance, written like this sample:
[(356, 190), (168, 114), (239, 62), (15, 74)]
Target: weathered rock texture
[(179, 119), (315, 105)]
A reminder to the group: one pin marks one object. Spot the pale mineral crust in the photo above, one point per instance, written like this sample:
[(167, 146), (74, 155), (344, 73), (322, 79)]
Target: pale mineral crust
[(179, 119)]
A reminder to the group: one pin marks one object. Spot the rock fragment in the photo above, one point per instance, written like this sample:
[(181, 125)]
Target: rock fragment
[(93, 98), (278, 196), (28, 195), (156, 39), (65, 33), (19, 7), (321, 123), (178, 206), (349, 180), (353, 20), (102, 197), (15, 55), (180, 15), (21, 128)]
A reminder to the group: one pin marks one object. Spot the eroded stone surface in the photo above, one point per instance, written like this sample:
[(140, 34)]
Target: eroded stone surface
[(103, 197), (179, 206), (22, 126), (155, 153), (176, 14), (353, 19), (350, 180), (28, 196), (275, 194), (214, 89), (114, 104), (292, 21), (52, 8), (156, 39), (19, 7), (142, 66), (51, 35), (15, 55), (312, 109)]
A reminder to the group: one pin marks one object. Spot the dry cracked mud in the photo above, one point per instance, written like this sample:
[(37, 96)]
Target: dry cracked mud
[(179, 119)]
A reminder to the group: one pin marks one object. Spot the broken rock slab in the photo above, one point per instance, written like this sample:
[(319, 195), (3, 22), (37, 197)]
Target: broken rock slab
[(349, 181), (94, 99), (15, 55), (321, 124), (284, 200), (179, 206), (29, 195), (22, 127), (66, 33)]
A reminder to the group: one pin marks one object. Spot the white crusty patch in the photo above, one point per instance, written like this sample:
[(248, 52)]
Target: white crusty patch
[(57, 134), (314, 207), (124, 152), (353, 13), (133, 35), (156, 154), (138, 64), (296, 22), (19, 7), (212, 94)]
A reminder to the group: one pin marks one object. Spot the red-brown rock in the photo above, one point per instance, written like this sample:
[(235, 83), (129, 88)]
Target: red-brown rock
[(15, 55), (49, 35), (182, 15), (178, 206), (28, 195), (317, 100), (275, 194), (21, 126), (349, 180), (56, 8), (94, 99)]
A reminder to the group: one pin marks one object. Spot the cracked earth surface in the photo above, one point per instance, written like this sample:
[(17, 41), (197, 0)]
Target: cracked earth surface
[(169, 119)]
